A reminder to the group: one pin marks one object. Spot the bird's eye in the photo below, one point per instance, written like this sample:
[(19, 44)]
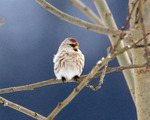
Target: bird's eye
[(72, 45)]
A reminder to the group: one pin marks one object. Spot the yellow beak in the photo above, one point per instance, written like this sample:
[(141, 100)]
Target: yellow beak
[(76, 47)]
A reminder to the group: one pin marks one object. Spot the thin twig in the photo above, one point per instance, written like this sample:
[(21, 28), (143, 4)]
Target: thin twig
[(121, 37), (103, 73), (77, 21), (30, 86), (121, 68), (88, 85), (101, 78), (87, 11), (21, 109), (40, 84), (129, 17)]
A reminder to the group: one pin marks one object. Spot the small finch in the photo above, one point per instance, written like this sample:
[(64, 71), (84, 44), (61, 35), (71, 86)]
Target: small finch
[(69, 60)]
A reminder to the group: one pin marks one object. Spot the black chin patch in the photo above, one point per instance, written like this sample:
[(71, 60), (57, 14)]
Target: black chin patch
[(76, 50)]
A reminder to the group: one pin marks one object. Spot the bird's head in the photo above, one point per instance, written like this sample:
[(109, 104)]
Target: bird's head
[(69, 44)]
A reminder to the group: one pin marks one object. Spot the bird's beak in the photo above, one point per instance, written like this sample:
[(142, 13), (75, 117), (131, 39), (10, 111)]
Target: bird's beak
[(76, 47)]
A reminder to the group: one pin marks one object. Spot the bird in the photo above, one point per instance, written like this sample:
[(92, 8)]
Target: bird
[(69, 60)]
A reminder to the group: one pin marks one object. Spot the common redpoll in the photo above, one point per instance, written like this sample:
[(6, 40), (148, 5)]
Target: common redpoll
[(69, 60)]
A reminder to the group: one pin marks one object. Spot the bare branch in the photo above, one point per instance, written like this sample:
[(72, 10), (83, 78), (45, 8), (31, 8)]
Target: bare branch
[(123, 59), (129, 17), (77, 21), (53, 81), (101, 78), (21, 109), (87, 11), (41, 84), (30, 86), (35, 85), (103, 72), (105, 13)]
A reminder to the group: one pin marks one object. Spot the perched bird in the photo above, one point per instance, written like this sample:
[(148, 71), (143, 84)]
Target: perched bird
[(69, 60)]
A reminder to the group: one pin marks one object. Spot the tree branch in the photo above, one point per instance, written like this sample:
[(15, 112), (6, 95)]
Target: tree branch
[(87, 11), (30, 86), (101, 78), (129, 17), (21, 109), (77, 21), (53, 81), (123, 59), (141, 7)]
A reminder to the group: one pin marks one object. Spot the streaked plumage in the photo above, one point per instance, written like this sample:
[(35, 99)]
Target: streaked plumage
[(69, 60)]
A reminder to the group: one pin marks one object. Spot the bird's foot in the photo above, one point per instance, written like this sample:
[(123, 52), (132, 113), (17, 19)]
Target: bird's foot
[(63, 79), (76, 78)]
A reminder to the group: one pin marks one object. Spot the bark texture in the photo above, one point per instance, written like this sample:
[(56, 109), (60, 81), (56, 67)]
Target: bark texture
[(142, 75)]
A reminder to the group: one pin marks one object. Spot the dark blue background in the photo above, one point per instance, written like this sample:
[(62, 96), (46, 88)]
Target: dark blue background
[(28, 41)]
